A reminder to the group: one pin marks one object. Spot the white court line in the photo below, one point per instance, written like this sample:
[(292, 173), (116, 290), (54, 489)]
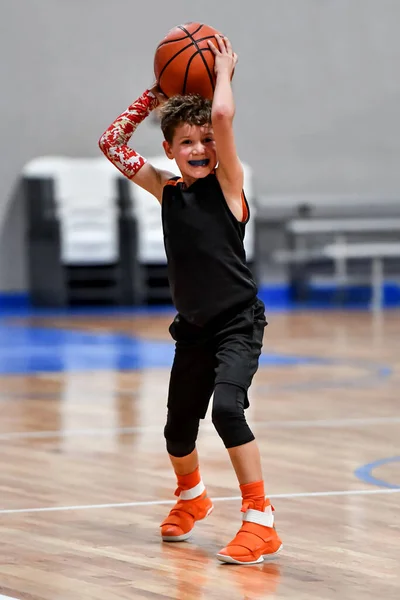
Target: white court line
[(6, 598), (12, 511), (327, 423)]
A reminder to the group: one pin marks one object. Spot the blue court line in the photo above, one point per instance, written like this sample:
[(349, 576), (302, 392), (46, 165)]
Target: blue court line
[(29, 349), (364, 473)]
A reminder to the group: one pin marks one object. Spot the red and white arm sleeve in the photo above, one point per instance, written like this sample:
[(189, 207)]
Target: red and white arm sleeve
[(113, 142)]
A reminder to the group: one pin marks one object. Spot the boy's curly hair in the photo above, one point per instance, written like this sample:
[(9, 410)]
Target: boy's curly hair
[(192, 109)]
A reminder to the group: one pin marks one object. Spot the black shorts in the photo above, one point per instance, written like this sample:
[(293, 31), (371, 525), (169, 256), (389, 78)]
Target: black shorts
[(225, 351)]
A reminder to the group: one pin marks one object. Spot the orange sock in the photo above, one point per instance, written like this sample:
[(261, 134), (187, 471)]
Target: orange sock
[(189, 482), (193, 505), (253, 496)]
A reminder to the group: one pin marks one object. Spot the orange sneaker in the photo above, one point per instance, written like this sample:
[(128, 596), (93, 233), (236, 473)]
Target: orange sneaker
[(255, 541), (178, 526)]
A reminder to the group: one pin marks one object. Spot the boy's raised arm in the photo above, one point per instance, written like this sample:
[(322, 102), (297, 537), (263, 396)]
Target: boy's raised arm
[(114, 144), (230, 170)]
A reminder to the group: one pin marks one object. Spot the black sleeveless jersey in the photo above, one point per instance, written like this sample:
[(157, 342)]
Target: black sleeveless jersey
[(204, 245)]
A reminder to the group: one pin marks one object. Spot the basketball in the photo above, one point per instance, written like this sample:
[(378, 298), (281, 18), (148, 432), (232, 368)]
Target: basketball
[(183, 61)]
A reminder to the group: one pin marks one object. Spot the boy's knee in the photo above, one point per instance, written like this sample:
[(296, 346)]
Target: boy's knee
[(228, 415), (180, 434)]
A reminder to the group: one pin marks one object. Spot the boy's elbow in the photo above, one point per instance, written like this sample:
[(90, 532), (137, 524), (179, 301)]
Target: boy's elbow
[(223, 113), (102, 143)]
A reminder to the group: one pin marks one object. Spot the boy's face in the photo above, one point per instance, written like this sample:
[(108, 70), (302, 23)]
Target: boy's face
[(193, 148)]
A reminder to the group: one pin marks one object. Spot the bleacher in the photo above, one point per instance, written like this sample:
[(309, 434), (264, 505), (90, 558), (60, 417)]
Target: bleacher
[(325, 240)]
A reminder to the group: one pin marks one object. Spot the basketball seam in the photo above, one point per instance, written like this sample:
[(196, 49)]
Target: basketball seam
[(177, 39), (201, 54), (171, 59), (188, 66), (208, 37), (187, 71)]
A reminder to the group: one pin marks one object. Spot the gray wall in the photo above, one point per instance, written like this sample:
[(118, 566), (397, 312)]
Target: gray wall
[(317, 88)]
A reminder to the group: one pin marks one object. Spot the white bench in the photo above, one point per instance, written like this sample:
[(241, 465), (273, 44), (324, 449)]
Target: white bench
[(300, 229), (342, 249), (376, 252), (342, 226), (341, 252)]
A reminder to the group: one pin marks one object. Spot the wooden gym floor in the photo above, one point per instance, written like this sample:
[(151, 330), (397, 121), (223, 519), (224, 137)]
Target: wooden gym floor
[(85, 480)]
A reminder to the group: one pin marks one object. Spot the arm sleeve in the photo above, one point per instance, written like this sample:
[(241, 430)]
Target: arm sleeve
[(114, 141)]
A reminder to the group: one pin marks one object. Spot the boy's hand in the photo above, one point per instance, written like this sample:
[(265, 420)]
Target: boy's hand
[(158, 94), (225, 58)]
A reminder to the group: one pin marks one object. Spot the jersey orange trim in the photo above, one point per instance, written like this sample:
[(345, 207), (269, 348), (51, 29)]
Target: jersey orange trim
[(245, 215), (173, 181)]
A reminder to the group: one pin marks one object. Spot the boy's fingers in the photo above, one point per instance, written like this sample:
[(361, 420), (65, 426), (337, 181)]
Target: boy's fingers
[(212, 46), (224, 46), (228, 45), (221, 43)]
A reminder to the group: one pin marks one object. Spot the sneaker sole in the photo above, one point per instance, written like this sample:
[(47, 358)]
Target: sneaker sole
[(185, 536), (264, 557)]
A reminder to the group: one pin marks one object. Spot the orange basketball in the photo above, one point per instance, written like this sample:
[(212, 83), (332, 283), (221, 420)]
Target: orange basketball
[(184, 63)]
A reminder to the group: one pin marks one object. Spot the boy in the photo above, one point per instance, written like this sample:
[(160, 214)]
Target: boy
[(220, 322)]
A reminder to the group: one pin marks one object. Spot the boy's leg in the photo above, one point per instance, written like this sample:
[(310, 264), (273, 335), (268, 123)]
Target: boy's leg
[(191, 386), (257, 538), (239, 348)]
